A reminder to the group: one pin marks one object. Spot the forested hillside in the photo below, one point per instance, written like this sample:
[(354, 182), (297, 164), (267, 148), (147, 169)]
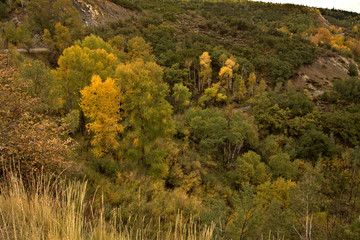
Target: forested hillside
[(178, 120)]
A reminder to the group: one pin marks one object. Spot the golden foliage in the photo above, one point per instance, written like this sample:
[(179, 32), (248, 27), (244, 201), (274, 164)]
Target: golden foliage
[(138, 48), (100, 103), (205, 70), (323, 35), (76, 67), (251, 83), (241, 88), (60, 40), (226, 74), (261, 88), (278, 190)]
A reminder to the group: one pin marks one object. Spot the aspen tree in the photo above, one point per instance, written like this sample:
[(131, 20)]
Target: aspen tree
[(100, 103), (252, 83), (205, 71)]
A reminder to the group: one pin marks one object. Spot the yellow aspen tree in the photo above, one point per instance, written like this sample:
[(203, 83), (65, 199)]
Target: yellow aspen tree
[(138, 48), (261, 88), (60, 40), (213, 95), (278, 190), (100, 103), (333, 29), (355, 29), (78, 64), (231, 63), (205, 70), (226, 74), (324, 35), (240, 88), (252, 83)]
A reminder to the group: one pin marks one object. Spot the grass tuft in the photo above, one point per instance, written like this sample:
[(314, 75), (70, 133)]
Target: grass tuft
[(52, 208)]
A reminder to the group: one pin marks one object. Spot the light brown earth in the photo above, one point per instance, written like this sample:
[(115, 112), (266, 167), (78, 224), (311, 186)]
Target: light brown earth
[(98, 12), (319, 76)]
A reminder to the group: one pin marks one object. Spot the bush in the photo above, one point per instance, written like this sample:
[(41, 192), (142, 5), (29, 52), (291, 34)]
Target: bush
[(4, 13), (348, 89), (127, 4), (315, 144), (353, 70)]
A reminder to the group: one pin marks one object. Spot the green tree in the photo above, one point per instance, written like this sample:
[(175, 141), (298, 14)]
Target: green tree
[(147, 115), (246, 217), (42, 84), (117, 43), (175, 74), (181, 96), (240, 87), (261, 88), (250, 170), (44, 14), (298, 103), (208, 128), (281, 166), (4, 11), (58, 41), (314, 144), (271, 118), (242, 133), (94, 42), (213, 95), (345, 125), (138, 48), (18, 35), (306, 200), (348, 90), (353, 70), (76, 67)]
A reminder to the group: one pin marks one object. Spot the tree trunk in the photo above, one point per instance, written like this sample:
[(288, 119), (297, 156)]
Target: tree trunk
[(82, 127)]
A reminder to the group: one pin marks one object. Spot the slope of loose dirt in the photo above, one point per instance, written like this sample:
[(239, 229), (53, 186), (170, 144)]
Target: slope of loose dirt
[(320, 75), (98, 12), (323, 22)]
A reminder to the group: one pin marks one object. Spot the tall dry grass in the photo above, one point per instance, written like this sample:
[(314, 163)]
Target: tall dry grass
[(50, 208)]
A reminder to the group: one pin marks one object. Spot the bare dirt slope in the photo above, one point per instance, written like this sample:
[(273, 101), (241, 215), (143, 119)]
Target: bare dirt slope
[(322, 21), (98, 12), (320, 75)]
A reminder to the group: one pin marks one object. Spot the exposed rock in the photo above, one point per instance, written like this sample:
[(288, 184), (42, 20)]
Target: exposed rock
[(97, 12), (320, 75)]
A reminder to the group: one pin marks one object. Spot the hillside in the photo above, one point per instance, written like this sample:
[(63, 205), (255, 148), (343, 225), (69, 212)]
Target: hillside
[(320, 75), (178, 120), (99, 12)]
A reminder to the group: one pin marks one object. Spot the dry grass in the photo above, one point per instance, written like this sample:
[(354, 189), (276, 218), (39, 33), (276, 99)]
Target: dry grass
[(54, 209)]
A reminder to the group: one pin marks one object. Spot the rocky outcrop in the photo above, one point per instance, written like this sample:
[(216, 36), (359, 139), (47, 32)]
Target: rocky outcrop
[(98, 12), (320, 75)]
